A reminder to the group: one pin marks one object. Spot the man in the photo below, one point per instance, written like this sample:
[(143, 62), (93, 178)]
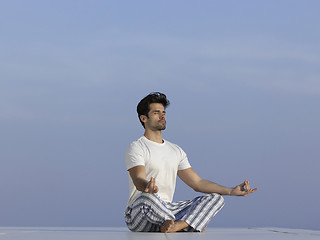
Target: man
[(153, 165)]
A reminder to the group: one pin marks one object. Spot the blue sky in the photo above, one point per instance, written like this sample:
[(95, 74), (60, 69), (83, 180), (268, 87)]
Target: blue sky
[(243, 79)]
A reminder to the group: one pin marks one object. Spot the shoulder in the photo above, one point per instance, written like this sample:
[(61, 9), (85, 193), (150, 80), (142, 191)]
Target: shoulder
[(135, 155), (136, 146)]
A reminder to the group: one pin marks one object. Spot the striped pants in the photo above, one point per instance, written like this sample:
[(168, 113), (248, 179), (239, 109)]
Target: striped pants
[(148, 212)]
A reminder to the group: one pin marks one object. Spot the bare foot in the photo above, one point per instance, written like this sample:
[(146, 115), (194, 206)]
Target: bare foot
[(171, 226), (167, 226)]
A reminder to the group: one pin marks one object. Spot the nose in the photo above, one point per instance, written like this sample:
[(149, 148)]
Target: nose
[(163, 115)]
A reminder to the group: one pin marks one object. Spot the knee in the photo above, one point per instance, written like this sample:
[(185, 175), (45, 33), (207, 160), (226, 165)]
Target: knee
[(215, 198)]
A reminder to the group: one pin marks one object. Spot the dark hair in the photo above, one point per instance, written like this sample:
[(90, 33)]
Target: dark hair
[(143, 107)]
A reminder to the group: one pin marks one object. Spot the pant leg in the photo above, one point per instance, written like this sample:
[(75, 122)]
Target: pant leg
[(199, 211), (147, 213)]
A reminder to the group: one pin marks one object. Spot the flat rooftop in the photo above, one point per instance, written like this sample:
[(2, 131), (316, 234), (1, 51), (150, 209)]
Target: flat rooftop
[(83, 233)]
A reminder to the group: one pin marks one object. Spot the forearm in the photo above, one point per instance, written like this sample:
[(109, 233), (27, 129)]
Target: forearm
[(206, 186)]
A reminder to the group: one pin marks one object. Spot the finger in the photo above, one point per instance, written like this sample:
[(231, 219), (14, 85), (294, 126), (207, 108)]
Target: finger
[(253, 190), (150, 183), (149, 186), (247, 185), (154, 186), (242, 186), (147, 189), (153, 180)]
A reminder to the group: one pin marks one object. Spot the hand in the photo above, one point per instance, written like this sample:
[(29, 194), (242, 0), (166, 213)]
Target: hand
[(243, 189), (151, 186)]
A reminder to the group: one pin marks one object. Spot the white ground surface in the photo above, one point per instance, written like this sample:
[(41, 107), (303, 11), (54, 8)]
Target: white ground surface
[(59, 233)]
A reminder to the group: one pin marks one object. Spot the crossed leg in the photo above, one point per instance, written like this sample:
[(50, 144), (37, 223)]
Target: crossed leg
[(150, 214)]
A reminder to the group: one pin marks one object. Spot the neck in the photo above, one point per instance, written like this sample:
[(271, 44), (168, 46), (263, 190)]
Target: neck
[(155, 136)]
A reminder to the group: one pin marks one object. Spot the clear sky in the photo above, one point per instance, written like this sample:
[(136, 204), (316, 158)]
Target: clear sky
[(243, 78)]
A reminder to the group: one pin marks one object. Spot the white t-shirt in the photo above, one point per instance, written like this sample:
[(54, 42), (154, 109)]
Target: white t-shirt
[(161, 161)]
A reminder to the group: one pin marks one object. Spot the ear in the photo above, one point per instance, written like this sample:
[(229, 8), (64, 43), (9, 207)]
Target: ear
[(143, 118)]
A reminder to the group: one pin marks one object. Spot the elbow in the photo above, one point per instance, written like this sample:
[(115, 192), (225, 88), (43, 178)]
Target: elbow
[(196, 189)]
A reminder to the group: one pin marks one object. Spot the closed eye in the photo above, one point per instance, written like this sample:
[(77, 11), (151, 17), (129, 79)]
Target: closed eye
[(158, 112)]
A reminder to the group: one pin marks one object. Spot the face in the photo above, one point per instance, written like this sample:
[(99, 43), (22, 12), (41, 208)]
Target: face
[(156, 119)]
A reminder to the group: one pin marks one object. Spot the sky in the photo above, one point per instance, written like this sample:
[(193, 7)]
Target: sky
[(243, 79)]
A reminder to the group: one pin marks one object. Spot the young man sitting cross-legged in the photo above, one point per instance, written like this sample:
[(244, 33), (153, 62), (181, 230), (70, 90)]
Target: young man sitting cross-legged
[(153, 165)]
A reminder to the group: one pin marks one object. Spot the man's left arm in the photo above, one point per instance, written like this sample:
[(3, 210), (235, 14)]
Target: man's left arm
[(193, 180)]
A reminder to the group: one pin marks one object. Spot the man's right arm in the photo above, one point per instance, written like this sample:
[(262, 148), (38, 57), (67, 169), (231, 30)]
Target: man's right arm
[(138, 176)]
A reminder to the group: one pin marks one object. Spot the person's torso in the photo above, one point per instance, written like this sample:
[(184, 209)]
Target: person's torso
[(161, 162)]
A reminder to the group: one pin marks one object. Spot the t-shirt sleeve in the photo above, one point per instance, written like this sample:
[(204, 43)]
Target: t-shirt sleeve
[(134, 156), (184, 162)]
